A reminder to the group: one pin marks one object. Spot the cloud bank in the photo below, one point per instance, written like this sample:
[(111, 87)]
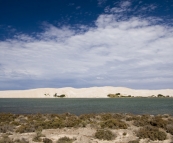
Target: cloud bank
[(118, 51)]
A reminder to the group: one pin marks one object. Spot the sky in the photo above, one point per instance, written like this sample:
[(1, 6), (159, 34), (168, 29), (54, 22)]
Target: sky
[(86, 43)]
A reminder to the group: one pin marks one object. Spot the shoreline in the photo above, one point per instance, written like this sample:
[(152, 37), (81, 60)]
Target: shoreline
[(92, 92)]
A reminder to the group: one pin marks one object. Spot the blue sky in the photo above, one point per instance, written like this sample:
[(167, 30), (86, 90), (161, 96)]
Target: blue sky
[(75, 43)]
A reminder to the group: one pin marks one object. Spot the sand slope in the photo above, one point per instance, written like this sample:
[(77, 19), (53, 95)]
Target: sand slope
[(92, 92)]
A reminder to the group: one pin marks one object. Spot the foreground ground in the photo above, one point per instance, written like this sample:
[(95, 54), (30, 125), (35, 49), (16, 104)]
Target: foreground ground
[(87, 128)]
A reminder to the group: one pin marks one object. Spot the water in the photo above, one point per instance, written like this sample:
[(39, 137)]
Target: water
[(82, 106)]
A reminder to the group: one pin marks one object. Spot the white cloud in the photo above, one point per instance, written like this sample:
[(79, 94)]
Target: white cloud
[(125, 4), (133, 52), (101, 2)]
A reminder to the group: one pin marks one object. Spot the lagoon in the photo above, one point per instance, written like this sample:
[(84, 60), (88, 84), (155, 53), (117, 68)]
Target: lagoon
[(80, 106)]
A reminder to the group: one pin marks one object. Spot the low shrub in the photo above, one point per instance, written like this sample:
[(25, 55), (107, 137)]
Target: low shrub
[(104, 135), (142, 121), (72, 121), (106, 116), (160, 95), (65, 140), (119, 116), (6, 139), (15, 123), (158, 122), (86, 119), (21, 141), (152, 133), (124, 134), (6, 128), (7, 117), (112, 95), (62, 95), (134, 141), (113, 124), (26, 128), (46, 140), (38, 136), (169, 129)]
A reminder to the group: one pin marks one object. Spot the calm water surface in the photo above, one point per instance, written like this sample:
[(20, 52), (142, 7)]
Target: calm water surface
[(83, 106)]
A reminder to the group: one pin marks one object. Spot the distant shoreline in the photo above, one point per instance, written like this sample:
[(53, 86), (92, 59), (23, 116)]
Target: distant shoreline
[(92, 92)]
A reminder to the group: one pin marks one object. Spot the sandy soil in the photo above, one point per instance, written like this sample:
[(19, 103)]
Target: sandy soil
[(93, 92), (86, 135)]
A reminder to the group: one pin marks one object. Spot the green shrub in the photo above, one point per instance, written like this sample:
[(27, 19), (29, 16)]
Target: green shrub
[(142, 120), (104, 135), (15, 123), (118, 116), (46, 140), (87, 118), (62, 95), (7, 117), (21, 141), (72, 121), (152, 133), (158, 122), (106, 116), (113, 124), (124, 134), (112, 95), (26, 128), (51, 124), (134, 141), (160, 95), (65, 140)]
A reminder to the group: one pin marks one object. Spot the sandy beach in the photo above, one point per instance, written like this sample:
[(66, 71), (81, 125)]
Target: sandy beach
[(92, 92)]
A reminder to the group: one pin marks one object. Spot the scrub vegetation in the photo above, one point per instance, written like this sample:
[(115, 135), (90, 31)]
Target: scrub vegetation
[(105, 125)]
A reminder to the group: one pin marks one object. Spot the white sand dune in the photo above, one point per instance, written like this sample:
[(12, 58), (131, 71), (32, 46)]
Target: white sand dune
[(92, 92)]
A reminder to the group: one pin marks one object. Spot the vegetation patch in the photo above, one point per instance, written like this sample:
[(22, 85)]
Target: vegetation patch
[(21, 141), (169, 128), (134, 141), (26, 128), (160, 95), (65, 140), (38, 136), (6, 139), (4, 128), (152, 133), (142, 120), (47, 140), (113, 124), (112, 95), (104, 135), (62, 95)]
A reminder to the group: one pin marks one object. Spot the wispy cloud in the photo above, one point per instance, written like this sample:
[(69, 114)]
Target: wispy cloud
[(101, 2), (133, 52)]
